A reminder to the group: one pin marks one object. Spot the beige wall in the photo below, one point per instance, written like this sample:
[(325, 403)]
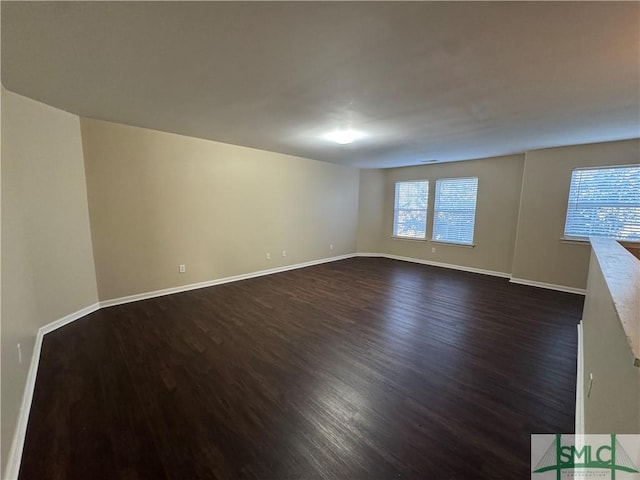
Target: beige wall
[(522, 202), (499, 182), (47, 260), (540, 255), (157, 200), (370, 205)]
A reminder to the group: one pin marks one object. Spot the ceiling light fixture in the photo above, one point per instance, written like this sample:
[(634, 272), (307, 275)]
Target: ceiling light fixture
[(343, 137)]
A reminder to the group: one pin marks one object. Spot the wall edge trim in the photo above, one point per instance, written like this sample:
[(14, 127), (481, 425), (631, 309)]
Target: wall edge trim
[(579, 426)]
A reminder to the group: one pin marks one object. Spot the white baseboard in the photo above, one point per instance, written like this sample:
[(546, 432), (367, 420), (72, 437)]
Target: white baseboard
[(521, 281), (373, 255), (17, 445), (219, 281), (15, 453), (61, 322), (548, 286), (580, 385), (437, 264)]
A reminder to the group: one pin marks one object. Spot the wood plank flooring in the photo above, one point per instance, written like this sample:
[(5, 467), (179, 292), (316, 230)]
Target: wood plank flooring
[(360, 369)]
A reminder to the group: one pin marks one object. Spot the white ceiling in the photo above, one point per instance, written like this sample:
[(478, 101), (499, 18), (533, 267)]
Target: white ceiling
[(443, 80)]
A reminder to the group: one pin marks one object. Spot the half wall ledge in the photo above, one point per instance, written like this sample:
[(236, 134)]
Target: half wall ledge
[(621, 271)]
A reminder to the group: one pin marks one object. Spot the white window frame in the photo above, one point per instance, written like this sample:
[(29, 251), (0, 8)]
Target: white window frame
[(438, 210), (575, 203), (397, 209)]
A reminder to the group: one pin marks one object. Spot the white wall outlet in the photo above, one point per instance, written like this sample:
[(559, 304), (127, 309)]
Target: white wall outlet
[(284, 253), (331, 246), (268, 256), (19, 353), (182, 268), (433, 249)]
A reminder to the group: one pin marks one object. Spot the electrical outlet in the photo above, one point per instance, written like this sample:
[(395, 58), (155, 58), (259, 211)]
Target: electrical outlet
[(433, 249), (284, 253), (182, 268), (268, 256), (331, 246)]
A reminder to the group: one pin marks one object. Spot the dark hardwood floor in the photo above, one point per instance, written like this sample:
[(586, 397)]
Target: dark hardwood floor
[(359, 369)]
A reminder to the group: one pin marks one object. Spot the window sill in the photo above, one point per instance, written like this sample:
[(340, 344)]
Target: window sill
[(575, 240), (585, 241), (453, 244), (410, 239)]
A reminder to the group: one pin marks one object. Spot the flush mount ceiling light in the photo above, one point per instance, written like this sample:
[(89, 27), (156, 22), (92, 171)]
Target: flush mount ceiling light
[(343, 137)]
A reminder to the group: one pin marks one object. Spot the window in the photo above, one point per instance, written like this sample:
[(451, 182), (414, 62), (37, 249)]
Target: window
[(410, 209), (455, 210), (604, 202)]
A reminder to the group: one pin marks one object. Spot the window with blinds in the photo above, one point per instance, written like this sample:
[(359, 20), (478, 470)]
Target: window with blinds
[(410, 209), (604, 202), (455, 210)]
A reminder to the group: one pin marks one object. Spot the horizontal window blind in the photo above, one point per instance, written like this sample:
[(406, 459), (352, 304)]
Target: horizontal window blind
[(455, 210), (604, 202), (410, 209)]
